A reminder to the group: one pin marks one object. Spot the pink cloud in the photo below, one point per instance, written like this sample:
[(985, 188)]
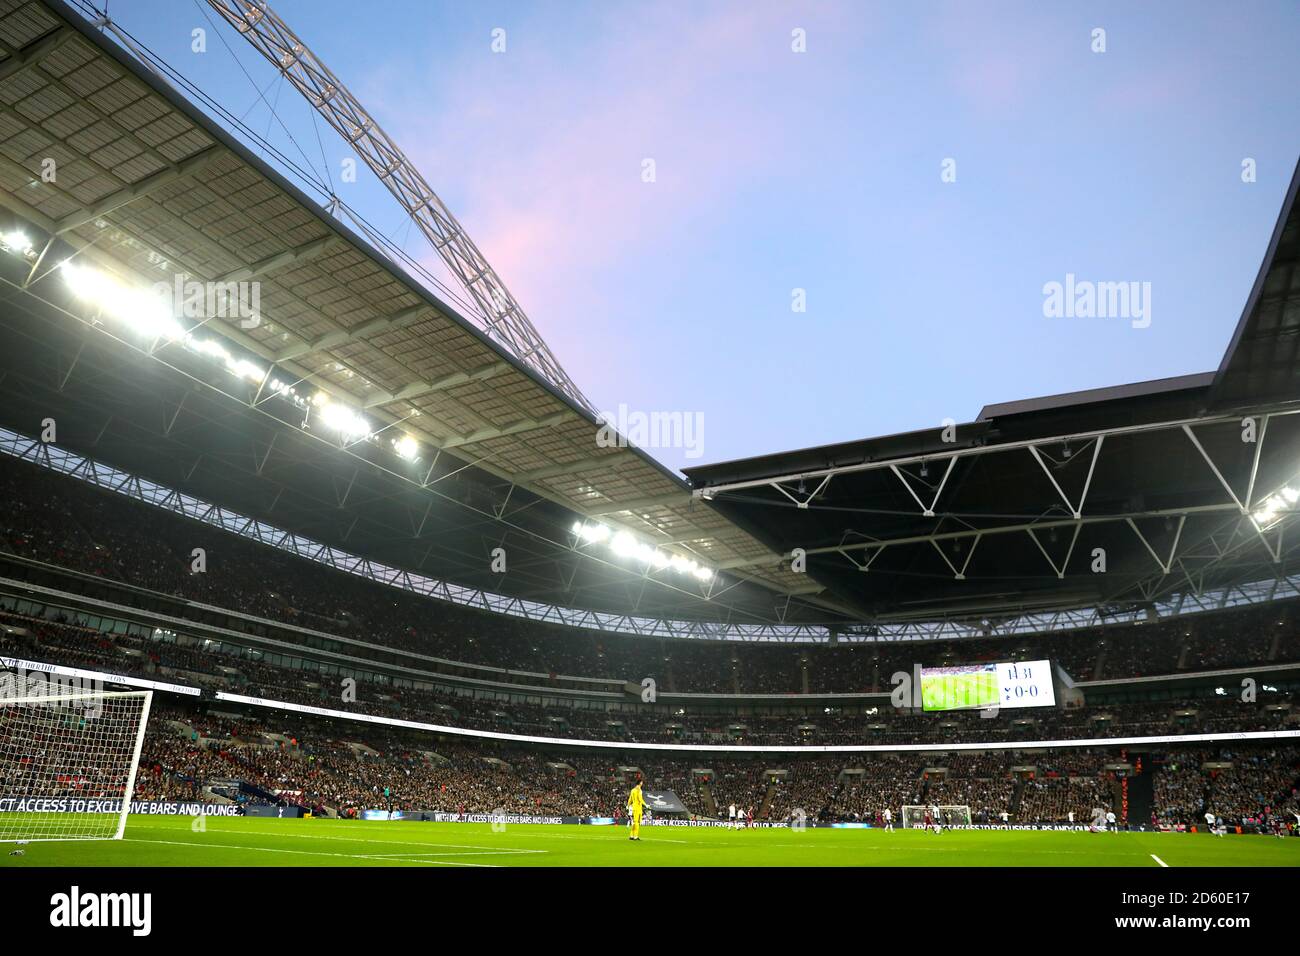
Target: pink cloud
[(543, 156)]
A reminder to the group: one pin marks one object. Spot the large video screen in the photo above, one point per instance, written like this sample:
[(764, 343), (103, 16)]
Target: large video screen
[(977, 686)]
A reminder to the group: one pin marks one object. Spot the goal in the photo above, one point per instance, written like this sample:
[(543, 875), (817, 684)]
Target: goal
[(949, 815), (68, 763)]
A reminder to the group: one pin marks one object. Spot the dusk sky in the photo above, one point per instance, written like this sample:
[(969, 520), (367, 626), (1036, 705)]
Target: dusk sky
[(778, 170)]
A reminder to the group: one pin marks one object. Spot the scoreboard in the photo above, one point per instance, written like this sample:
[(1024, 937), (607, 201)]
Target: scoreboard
[(1026, 684), (979, 686)]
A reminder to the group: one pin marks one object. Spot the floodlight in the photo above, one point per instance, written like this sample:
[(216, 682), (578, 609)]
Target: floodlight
[(342, 419), (17, 241), (143, 311), (407, 447)]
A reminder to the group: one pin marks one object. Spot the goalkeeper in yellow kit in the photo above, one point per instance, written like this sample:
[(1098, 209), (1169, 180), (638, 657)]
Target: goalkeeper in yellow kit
[(635, 804)]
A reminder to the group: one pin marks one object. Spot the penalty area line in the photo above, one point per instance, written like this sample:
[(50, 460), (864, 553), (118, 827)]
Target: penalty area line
[(1160, 861)]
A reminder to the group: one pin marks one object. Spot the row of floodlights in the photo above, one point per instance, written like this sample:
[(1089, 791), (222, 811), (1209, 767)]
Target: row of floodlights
[(153, 317), (150, 315), (625, 545), (1274, 507)]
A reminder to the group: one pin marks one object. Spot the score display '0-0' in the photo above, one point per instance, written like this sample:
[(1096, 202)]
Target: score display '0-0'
[(1026, 684)]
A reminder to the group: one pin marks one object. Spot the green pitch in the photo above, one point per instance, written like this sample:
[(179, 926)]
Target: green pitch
[(240, 841), (960, 691)]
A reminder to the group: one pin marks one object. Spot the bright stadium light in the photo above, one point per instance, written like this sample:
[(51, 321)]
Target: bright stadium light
[(407, 448), (246, 370), (591, 533), (210, 347), (147, 312), (17, 241), (144, 312), (287, 391), (625, 545), (1274, 507), (350, 425), (239, 367)]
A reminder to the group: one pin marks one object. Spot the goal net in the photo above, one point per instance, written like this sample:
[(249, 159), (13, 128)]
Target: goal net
[(68, 763), (947, 815)]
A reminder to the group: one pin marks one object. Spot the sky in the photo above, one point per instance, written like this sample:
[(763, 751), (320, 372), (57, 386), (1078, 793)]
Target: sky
[(915, 175)]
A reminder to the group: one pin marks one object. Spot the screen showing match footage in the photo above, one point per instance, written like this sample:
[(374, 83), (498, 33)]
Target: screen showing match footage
[(978, 686)]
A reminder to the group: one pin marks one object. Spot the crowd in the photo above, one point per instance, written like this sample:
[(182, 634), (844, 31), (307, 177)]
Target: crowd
[(65, 522), (322, 763), (1240, 786), (194, 751), (1179, 792), (197, 753), (62, 642), (1064, 799)]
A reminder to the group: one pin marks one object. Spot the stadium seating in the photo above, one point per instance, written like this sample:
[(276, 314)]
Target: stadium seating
[(333, 766), (64, 522), (194, 752)]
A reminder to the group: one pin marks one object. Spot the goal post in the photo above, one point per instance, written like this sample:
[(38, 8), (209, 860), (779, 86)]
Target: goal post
[(949, 815), (68, 764)]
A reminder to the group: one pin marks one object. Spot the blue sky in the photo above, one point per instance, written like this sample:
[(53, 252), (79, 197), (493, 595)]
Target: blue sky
[(820, 171)]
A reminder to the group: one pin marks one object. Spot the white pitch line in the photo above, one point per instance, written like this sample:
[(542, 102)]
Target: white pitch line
[(1051, 851), (385, 856), (609, 839), (272, 849), (1160, 861)]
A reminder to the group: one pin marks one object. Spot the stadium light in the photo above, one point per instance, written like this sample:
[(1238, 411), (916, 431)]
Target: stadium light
[(625, 545), (239, 367), (144, 312), (348, 423), (150, 314), (246, 370), (591, 533), (287, 391), (407, 448), (17, 241), (1274, 507)]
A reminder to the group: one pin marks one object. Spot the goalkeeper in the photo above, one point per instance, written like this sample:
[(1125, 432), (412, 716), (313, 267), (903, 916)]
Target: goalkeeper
[(635, 805)]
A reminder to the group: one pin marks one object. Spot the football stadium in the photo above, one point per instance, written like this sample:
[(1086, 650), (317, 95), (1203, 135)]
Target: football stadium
[(312, 554)]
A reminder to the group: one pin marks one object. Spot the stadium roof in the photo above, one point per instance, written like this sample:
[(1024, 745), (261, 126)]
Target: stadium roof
[(147, 187), (1163, 482), (1262, 363)]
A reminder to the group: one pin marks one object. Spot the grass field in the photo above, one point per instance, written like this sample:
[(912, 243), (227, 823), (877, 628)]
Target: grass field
[(247, 841), (960, 688)]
